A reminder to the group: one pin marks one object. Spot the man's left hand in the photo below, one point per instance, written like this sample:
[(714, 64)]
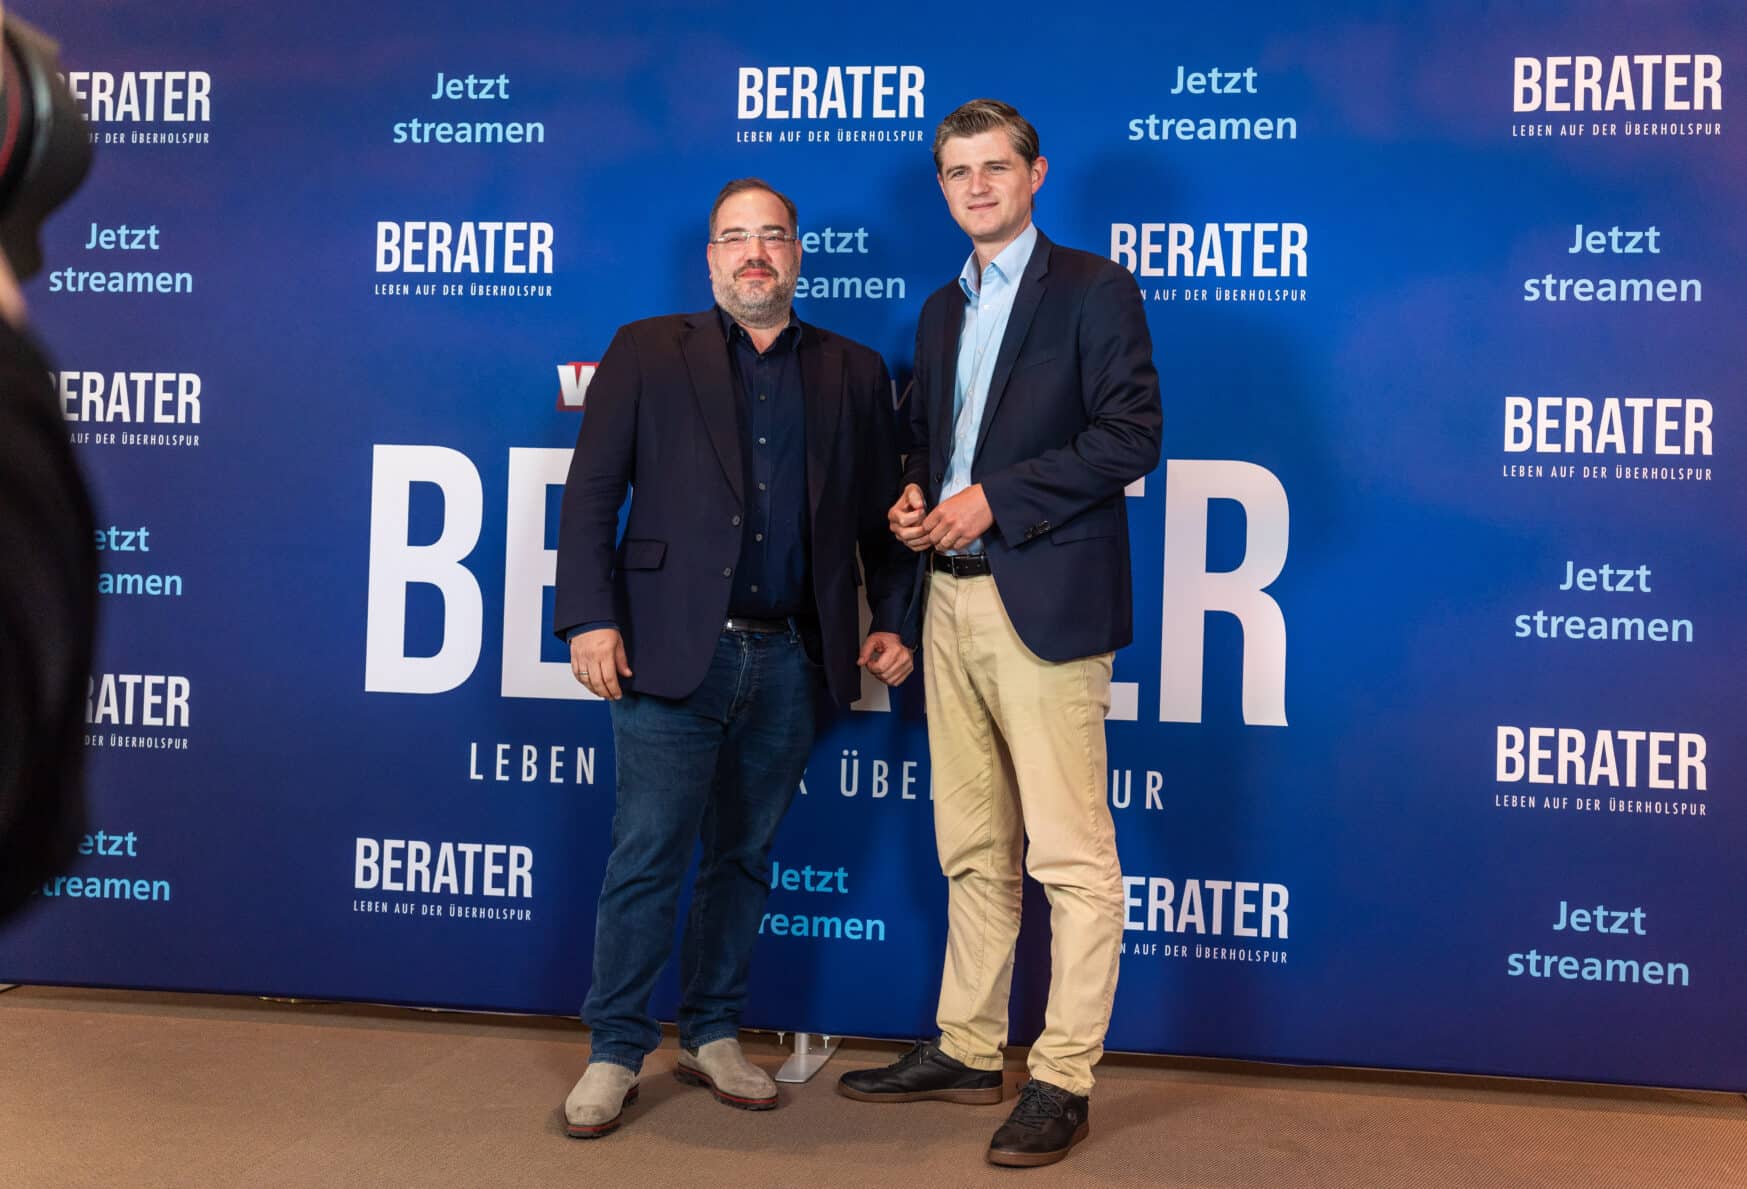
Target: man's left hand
[(960, 520), (885, 657)]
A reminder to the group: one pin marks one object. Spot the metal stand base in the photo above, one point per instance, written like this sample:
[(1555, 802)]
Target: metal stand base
[(812, 1050)]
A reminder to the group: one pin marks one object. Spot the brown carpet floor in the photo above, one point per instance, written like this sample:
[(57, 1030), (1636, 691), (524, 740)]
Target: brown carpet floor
[(121, 1089)]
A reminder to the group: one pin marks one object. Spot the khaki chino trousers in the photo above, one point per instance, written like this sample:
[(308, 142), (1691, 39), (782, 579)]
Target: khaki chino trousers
[(1017, 746)]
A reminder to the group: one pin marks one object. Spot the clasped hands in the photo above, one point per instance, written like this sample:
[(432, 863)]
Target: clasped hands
[(954, 524)]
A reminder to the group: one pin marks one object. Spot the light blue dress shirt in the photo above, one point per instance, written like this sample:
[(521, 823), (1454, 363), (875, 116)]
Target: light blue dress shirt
[(988, 301)]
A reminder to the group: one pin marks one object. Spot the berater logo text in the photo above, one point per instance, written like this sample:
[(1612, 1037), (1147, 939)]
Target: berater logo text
[(177, 101), (143, 96), (832, 93), (1674, 428), (1575, 425), (517, 248), (443, 868), (132, 398), (106, 408), (1245, 911), (1638, 95), (467, 247), (1621, 83), (1256, 251), (822, 104), (1159, 905), (1630, 759), (137, 700)]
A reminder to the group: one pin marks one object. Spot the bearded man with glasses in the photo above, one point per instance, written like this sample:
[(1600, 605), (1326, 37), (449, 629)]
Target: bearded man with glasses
[(761, 452)]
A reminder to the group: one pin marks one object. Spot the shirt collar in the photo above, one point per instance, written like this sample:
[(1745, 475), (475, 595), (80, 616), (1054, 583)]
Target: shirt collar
[(787, 339), (1009, 265)]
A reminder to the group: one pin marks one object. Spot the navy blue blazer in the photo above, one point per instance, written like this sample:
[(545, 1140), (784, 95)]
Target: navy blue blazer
[(1072, 418), (661, 418)]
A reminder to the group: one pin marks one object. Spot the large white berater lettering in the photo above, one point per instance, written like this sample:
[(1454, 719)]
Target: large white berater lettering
[(1191, 590), (528, 569), (396, 564)]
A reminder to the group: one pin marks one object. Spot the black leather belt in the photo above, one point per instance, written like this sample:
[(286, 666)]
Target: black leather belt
[(740, 623), (960, 565)]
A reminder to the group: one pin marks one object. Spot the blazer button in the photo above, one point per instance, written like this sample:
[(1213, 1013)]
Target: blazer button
[(735, 522), (728, 573)]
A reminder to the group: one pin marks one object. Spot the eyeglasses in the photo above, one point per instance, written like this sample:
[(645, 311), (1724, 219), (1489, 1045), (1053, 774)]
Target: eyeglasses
[(739, 239)]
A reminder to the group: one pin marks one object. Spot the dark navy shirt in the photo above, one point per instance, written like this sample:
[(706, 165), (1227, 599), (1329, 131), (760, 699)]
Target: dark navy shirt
[(774, 578)]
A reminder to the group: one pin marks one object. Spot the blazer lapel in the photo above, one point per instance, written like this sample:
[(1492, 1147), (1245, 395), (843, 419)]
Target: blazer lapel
[(822, 380), (706, 358), (1025, 303), (947, 386)]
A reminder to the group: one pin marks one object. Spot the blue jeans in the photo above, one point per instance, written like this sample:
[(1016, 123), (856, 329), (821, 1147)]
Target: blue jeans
[(721, 766)]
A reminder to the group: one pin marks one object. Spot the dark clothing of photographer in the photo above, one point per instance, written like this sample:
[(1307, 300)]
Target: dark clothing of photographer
[(48, 612)]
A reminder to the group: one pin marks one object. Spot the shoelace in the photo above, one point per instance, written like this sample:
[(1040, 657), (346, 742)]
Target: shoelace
[(921, 1052), (1035, 1107)]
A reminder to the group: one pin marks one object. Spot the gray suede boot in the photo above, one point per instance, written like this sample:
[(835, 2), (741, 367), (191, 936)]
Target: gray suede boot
[(723, 1069), (597, 1103)]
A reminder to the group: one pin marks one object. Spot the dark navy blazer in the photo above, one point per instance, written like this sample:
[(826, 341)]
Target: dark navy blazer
[(1072, 418), (661, 419)]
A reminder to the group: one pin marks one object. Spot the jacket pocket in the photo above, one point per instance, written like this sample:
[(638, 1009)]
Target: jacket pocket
[(642, 555)]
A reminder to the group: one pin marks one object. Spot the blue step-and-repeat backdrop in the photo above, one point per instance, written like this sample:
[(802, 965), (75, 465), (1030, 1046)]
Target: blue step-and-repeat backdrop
[(1428, 751)]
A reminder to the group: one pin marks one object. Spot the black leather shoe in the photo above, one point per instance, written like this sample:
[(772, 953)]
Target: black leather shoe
[(1046, 1122), (923, 1073)]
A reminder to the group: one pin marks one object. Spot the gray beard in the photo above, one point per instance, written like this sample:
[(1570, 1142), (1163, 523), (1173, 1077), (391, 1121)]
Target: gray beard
[(761, 313)]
